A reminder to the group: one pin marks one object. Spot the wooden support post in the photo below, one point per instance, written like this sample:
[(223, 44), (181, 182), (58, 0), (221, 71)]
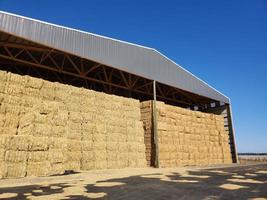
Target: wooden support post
[(155, 127)]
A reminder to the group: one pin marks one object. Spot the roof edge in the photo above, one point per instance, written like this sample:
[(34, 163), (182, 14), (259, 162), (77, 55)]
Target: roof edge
[(161, 54), (74, 29)]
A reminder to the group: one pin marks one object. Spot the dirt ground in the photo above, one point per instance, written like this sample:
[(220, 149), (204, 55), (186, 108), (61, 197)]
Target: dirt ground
[(231, 182)]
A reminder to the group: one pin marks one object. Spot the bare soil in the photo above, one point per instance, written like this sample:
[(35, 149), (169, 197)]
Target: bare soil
[(224, 182)]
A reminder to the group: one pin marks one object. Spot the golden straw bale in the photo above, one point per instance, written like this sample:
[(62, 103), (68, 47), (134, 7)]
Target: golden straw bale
[(72, 165), (100, 155), (87, 136), (88, 156), (112, 155), (19, 142), (5, 141), (38, 168), (13, 78), (39, 144), (14, 109), (112, 146), (74, 145), (101, 164), (112, 164), (62, 93), (132, 147), (3, 80), (2, 154), (74, 134), (70, 156), (86, 145), (37, 156), (14, 89), (47, 92), (87, 164), (2, 169), (2, 119), (88, 127), (60, 118), (122, 147), (11, 120), (132, 162), (8, 131), (56, 155), (99, 137), (59, 131), (100, 127), (37, 130), (88, 116), (33, 82), (16, 156), (58, 143), (26, 120), (56, 168), (75, 117), (14, 170)]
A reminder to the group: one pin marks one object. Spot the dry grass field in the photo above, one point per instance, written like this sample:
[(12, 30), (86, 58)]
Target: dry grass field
[(252, 158)]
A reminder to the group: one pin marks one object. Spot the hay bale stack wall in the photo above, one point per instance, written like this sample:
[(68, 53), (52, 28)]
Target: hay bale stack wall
[(188, 137), (146, 116), (47, 128)]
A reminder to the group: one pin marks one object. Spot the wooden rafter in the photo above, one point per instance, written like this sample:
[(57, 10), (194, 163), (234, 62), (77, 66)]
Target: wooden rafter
[(108, 77), (124, 79), (73, 64), (91, 69)]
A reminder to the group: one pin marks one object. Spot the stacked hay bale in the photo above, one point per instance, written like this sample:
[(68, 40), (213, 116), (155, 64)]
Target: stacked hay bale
[(47, 128), (45, 146), (13, 155), (188, 137), (191, 138), (146, 116)]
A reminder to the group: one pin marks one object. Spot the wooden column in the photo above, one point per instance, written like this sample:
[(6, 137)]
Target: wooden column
[(155, 127)]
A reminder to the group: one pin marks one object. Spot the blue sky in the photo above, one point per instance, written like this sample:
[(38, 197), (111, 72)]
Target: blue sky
[(223, 42)]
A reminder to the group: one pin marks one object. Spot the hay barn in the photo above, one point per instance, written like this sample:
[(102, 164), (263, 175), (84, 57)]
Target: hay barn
[(73, 100)]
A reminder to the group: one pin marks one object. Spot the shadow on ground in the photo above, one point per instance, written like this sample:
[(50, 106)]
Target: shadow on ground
[(246, 182)]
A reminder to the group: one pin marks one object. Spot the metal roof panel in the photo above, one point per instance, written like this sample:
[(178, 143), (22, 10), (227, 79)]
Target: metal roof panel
[(136, 59)]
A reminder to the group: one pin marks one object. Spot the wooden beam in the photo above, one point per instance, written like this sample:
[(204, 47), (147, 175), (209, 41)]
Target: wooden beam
[(54, 62), (31, 56), (60, 68), (91, 69), (21, 46), (135, 81), (20, 52), (44, 57), (124, 79), (144, 85), (73, 64), (8, 52), (161, 92)]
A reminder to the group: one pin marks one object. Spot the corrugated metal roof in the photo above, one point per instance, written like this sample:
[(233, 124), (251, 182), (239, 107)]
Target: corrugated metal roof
[(142, 61)]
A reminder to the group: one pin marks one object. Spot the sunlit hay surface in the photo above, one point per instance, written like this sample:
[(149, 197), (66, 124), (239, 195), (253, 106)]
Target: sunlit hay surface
[(8, 195), (238, 176), (261, 172), (220, 172), (232, 186), (250, 174), (108, 184), (245, 181)]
